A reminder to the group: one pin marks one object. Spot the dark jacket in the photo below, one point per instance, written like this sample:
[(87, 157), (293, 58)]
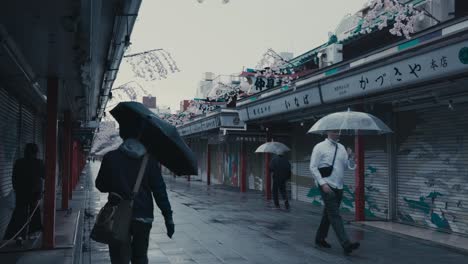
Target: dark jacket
[(118, 173), (27, 179), (281, 168)]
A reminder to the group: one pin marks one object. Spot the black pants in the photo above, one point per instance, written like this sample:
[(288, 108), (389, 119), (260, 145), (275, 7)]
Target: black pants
[(279, 185), (331, 215), (136, 250), (21, 213)]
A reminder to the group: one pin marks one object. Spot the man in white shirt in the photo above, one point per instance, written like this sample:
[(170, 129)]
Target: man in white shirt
[(331, 188)]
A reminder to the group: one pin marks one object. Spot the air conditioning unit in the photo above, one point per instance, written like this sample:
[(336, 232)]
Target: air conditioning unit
[(330, 55), (209, 76)]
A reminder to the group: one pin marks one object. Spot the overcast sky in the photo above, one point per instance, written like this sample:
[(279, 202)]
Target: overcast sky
[(224, 38)]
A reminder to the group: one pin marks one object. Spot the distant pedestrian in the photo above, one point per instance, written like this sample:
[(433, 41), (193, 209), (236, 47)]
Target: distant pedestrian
[(328, 161), (27, 177), (281, 173), (118, 173)]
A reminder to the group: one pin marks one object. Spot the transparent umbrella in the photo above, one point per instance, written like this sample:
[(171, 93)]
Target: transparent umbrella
[(350, 123), (277, 148)]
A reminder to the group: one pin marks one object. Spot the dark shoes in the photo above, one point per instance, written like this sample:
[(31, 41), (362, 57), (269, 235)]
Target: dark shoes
[(322, 243), (349, 247)]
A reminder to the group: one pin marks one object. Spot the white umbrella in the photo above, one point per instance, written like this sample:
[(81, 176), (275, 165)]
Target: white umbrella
[(277, 148), (350, 123)]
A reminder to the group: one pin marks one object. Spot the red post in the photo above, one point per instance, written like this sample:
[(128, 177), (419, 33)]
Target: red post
[(243, 169), (48, 240), (359, 175), (66, 159), (208, 165), (267, 176)]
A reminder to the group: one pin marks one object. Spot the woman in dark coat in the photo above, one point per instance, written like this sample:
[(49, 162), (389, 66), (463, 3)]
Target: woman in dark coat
[(28, 173), (118, 173)]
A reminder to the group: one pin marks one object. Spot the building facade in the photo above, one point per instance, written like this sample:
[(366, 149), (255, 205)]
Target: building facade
[(416, 175)]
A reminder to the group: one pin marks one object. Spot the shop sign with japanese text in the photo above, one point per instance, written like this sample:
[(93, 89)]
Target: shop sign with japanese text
[(295, 101), (439, 63)]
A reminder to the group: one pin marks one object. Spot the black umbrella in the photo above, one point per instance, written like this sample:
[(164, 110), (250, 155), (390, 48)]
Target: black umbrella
[(159, 137)]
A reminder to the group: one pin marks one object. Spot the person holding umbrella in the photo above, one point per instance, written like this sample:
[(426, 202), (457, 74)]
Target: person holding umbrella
[(281, 173), (117, 174), (280, 169), (328, 162)]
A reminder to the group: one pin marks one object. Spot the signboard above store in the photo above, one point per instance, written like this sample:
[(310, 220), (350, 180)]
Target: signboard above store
[(287, 103), (442, 62)]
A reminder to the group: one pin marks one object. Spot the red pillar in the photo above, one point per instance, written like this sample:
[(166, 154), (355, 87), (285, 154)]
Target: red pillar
[(48, 241), (359, 174), (208, 165), (243, 169), (66, 159), (267, 177)]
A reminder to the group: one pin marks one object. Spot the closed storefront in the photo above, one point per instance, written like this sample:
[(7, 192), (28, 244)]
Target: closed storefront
[(232, 164), (303, 186), (376, 177), (216, 162), (199, 148), (9, 148), (18, 127), (39, 135), (432, 168), (27, 127), (255, 164)]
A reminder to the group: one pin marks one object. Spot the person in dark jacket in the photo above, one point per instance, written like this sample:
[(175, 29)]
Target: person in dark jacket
[(118, 173), (28, 173), (281, 173)]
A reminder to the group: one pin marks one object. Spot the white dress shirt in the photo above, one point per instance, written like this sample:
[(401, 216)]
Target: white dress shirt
[(322, 156)]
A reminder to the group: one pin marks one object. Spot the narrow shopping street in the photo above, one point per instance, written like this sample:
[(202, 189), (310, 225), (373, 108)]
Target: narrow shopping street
[(220, 225)]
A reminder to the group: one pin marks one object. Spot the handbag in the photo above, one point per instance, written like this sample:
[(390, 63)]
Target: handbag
[(113, 220), (327, 171)]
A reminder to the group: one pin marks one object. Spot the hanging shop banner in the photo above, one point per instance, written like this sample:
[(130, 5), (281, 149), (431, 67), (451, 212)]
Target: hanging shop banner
[(438, 63), (292, 102)]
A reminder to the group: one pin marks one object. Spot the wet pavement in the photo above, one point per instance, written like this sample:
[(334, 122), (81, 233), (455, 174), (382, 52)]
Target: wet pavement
[(215, 224)]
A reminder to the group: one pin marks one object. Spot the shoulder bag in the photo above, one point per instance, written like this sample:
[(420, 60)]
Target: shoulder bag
[(327, 171), (113, 221)]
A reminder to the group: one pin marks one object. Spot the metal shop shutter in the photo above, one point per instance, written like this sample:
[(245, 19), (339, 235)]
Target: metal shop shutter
[(432, 168), (202, 159), (27, 128), (217, 163), (232, 164), (39, 136), (9, 145), (199, 149), (303, 185), (376, 178), (255, 165)]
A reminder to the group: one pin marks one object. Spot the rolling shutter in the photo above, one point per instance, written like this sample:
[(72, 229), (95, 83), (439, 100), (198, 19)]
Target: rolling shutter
[(255, 166), (27, 128), (432, 162), (9, 146), (303, 185)]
